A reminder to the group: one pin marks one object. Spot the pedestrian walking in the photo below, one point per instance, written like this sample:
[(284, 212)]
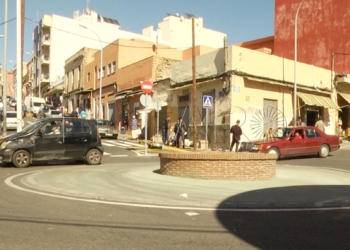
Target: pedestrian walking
[(166, 123), (24, 109), (320, 124), (135, 131), (236, 135), (180, 131)]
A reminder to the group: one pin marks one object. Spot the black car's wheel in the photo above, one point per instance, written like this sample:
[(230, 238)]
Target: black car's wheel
[(324, 151), (274, 151), (21, 159), (93, 157)]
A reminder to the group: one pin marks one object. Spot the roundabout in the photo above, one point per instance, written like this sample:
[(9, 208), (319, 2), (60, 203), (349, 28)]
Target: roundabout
[(293, 188)]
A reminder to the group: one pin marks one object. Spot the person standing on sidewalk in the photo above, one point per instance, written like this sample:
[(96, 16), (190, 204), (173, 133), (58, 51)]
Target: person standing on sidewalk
[(134, 128), (236, 135), (320, 124), (166, 129), (180, 131)]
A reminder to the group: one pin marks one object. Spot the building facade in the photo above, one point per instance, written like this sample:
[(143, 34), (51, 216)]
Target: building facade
[(253, 87)]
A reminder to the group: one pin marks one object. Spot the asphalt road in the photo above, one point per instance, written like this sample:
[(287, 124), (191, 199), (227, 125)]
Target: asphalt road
[(32, 221)]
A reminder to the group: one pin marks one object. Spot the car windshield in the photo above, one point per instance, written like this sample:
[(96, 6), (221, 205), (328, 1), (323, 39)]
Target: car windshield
[(11, 115), (37, 104), (32, 127), (103, 123)]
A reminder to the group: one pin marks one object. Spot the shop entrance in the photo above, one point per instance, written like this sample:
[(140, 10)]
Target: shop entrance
[(311, 116)]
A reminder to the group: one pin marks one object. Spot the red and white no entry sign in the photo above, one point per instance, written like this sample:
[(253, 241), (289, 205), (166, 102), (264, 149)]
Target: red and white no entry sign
[(146, 87)]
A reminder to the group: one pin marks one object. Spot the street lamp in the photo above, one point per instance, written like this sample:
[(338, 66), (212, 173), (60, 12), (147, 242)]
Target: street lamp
[(101, 54), (36, 77), (295, 61)]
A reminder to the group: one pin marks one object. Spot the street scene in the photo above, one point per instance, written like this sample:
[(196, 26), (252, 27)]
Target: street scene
[(174, 130)]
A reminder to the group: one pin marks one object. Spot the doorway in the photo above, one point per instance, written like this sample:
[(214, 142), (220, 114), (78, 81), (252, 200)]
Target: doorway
[(311, 117)]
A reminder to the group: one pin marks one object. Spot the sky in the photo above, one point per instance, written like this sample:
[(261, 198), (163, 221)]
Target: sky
[(241, 20)]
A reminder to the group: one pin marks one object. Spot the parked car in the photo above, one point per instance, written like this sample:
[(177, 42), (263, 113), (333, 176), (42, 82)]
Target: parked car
[(53, 139), (44, 111), (13, 102), (54, 113), (106, 128), (284, 143), (11, 120)]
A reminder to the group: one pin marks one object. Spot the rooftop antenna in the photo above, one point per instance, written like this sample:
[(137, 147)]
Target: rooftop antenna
[(87, 3)]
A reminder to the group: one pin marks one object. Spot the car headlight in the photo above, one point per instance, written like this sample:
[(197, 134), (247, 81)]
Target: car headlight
[(3, 145), (255, 147)]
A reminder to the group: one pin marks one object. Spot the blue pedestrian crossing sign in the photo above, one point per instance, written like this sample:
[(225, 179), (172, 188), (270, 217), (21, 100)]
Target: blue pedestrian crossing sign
[(207, 102)]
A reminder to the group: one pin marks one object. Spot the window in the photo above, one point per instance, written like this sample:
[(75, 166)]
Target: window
[(103, 71), (113, 67), (99, 73), (78, 73), (109, 68), (88, 77), (311, 133)]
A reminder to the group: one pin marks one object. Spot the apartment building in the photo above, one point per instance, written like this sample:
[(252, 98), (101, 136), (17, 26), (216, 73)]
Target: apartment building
[(91, 30)]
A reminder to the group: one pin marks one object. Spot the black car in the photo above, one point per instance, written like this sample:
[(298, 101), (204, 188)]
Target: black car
[(53, 139)]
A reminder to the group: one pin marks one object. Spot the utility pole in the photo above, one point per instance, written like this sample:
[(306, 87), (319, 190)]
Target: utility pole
[(4, 92), (194, 88)]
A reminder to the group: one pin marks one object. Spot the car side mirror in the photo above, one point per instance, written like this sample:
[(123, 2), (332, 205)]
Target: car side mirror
[(40, 133)]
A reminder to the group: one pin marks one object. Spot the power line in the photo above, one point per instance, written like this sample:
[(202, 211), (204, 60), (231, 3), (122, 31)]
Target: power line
[(8, 21)]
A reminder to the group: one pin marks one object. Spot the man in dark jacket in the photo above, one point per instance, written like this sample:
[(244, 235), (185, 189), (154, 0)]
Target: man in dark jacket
[(180, 132), (236, 135)]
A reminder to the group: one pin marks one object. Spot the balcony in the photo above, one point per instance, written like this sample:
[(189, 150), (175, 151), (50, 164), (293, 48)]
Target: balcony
[(45, 78), (46, 40), (45, 59)]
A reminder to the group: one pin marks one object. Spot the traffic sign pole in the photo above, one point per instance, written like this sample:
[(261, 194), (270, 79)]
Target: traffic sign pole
[(206, 129), (146, 114)]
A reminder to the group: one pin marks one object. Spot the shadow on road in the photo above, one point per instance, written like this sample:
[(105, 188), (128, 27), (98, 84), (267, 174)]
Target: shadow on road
[(294, 229)]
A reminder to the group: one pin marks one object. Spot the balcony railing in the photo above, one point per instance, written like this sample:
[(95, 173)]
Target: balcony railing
[(45, 59), (46, 40)]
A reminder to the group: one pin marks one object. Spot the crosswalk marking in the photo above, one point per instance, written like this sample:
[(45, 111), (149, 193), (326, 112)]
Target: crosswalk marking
[(110, 143), (138, 148)]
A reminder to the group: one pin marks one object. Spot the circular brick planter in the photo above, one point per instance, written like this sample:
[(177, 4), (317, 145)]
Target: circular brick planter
[(218, 165)]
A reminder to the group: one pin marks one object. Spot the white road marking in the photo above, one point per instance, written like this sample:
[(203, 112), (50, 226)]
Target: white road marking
[(8, 182)]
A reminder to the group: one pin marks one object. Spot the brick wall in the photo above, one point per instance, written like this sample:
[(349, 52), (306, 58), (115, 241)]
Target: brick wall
[(218, 165)]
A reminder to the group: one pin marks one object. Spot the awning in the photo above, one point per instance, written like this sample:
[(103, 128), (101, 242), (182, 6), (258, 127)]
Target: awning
[(54, 90), (345, 96), (122, 94), (118, 97), (315, 100)]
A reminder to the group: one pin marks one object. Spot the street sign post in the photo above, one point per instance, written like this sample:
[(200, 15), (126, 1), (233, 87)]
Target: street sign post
[(207, 104), (157, 107), (147, 88)]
